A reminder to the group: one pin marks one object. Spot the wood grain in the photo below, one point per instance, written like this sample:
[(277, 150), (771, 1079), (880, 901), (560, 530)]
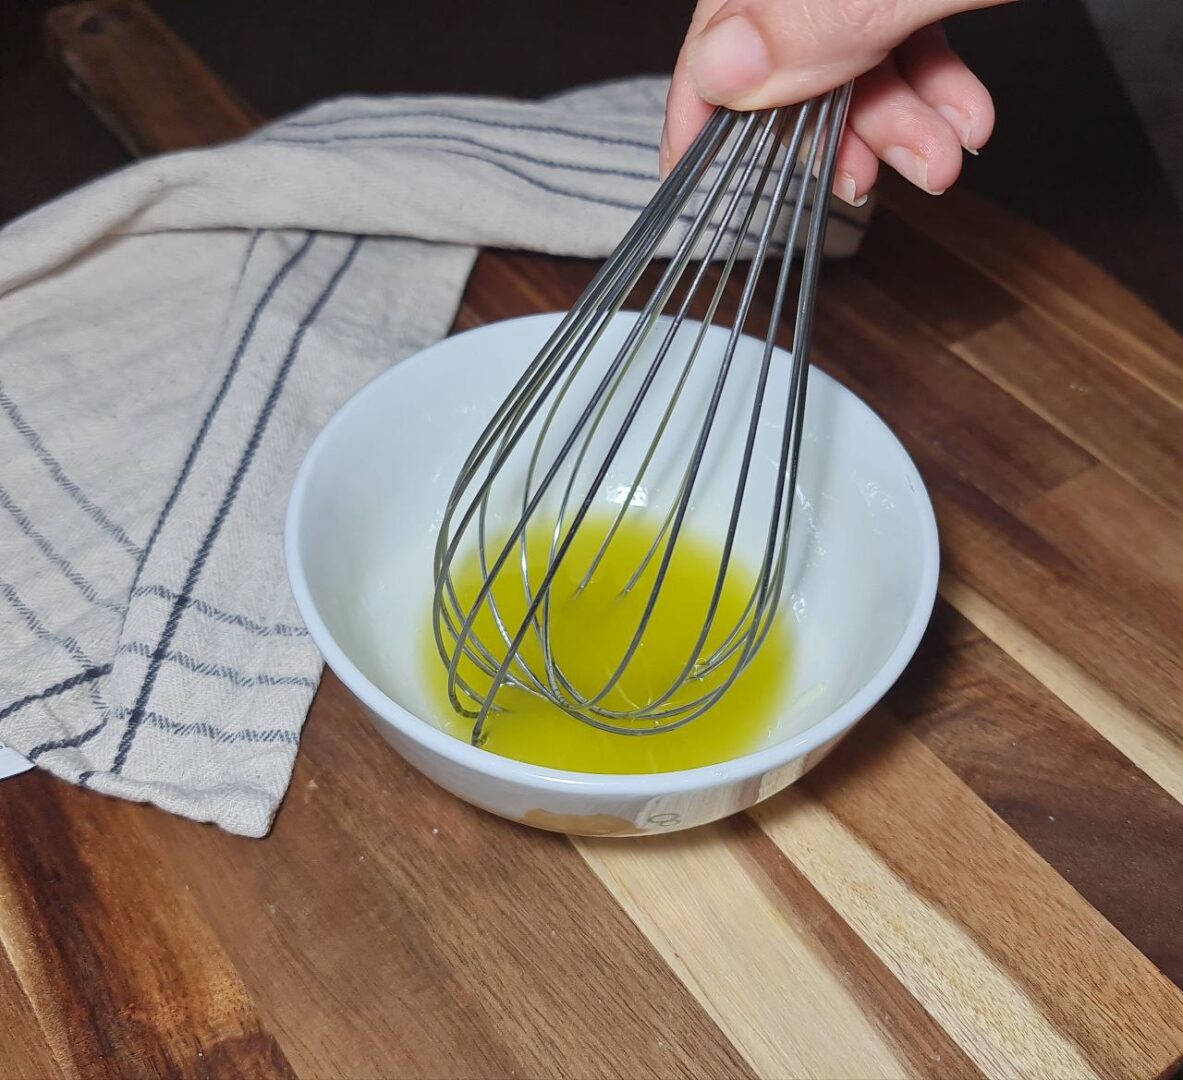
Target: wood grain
[(27, 1054), (918, 1041), (1103, 409), (1041, 587), (997, 726), (1123, 539), (1002, 902), (142, 80), (120, 971), (1046, 276), (433, 939), (955, 297), (694, 899), (1150, 746), (982, 881), (949, 416)]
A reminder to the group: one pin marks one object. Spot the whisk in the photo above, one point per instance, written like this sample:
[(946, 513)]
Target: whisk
[(548, 456)]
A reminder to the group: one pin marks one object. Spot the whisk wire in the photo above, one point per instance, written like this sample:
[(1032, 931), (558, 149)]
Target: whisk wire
[(513, 420), (553, 385), (531, 499), (653, 710), (772, 129)]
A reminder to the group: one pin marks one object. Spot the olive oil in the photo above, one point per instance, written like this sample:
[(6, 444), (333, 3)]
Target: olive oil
[(591, 628)]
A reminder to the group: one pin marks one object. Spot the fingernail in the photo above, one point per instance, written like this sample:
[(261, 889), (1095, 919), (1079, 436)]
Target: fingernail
[(909, 165), (961, 124), (846, 189), (663, 158), (729, 61)]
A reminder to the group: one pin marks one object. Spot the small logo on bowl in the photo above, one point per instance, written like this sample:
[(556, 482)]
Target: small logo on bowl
[(664, 821)]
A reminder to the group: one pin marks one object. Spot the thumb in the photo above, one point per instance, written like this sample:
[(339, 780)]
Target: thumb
[(753, 54)]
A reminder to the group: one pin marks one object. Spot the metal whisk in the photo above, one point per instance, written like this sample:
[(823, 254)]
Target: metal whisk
[(583, 410)]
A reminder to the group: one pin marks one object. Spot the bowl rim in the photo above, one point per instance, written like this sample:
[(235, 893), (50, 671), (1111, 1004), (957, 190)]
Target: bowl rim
[(467, 756)]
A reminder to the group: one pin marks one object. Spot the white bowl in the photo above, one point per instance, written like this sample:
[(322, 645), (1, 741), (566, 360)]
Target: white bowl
[(362, 524)]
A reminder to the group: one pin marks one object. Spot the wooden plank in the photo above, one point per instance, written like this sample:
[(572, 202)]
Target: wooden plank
[(753, 961), (1038, 585), (947, 295), (1045, 275), (1014, 962), (143, 81), (914, 1034), (949, 416), (1119, 420), (1120, 537), (1152, 747), (26, 1053), (985, 456), (1105, 827), (121, 971), (386, 928)]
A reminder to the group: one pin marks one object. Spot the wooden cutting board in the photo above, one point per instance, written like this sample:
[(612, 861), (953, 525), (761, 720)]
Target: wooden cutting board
[(985, 879)]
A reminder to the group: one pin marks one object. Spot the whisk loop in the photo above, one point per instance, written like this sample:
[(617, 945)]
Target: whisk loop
[(547, 455)]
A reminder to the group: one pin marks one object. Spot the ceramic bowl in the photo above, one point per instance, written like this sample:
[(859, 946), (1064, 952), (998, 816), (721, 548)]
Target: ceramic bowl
[(362, 524)]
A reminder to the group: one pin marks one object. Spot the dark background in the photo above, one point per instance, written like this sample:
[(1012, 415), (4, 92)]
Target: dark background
[(1068, 153)]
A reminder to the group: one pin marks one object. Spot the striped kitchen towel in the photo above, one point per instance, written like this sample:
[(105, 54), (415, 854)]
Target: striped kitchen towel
[(172, 337)]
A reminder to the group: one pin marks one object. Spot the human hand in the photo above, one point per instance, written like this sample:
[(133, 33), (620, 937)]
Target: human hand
[(915, 104)]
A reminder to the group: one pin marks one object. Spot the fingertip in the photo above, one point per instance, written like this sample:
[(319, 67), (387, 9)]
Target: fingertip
[(858, 168), (983, 117), (904, 131), (961, 124), (968, 109), (944, 167), (943, 80)]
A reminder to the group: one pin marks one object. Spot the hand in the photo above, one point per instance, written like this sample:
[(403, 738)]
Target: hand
[(915, 104)]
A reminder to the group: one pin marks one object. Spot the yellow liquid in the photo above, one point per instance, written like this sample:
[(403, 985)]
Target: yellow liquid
[(590, 632)]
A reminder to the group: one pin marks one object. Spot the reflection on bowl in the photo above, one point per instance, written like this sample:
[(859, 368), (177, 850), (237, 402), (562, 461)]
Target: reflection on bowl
[(361, 529)]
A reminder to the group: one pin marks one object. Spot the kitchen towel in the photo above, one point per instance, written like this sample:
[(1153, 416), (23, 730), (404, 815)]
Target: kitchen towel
[(173, 336)]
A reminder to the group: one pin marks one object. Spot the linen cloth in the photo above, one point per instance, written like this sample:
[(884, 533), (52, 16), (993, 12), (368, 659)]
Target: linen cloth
[(173, 336)]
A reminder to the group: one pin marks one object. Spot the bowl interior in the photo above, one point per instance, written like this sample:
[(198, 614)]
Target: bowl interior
[(863, 552)]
